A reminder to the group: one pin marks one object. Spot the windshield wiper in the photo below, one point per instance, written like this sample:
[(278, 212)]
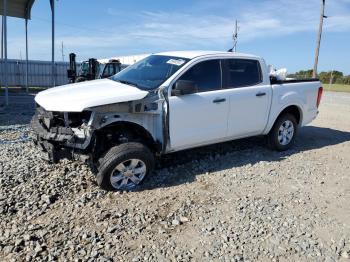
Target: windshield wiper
[(127, 83)]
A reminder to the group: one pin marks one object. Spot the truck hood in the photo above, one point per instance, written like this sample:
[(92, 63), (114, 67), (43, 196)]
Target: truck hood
[(79, 96)]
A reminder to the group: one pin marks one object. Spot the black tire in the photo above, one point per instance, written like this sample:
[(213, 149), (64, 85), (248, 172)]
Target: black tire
[(274, 142), (122, 154)]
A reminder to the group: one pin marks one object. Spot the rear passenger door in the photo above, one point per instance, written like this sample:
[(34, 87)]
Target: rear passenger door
[(199, 118), (249, 98)]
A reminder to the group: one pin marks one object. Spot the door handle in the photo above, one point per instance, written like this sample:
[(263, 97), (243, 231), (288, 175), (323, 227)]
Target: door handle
[(261, 94), (219, 100)]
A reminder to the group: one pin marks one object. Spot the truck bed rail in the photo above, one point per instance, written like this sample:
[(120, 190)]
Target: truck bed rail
[(275, 81)]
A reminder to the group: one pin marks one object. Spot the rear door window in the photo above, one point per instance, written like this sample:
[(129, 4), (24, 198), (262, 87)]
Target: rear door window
[(206, 75), (241, 73)]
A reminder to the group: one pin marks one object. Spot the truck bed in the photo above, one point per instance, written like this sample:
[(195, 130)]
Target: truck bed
[(280, 82)]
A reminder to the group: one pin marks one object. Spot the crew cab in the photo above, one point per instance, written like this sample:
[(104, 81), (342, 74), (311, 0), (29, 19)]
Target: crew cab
[(169, 102)]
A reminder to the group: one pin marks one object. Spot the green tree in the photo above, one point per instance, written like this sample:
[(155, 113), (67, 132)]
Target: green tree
[(346, 80), (337, 77), (302, 74)]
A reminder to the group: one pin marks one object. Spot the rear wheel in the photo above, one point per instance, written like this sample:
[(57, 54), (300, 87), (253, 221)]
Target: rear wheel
[(125, 166), (283, 132)]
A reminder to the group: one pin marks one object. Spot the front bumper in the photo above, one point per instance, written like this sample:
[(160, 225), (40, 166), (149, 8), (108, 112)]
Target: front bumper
[(58, 134), (52, 153), (54, 142)]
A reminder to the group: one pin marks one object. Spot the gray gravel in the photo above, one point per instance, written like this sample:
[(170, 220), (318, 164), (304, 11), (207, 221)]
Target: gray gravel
[(235, 201)]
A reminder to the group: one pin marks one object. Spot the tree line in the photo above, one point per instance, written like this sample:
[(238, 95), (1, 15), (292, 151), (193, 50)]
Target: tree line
[(336, 76)]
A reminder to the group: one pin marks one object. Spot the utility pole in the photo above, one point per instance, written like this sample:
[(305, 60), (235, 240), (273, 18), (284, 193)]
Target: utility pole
[(4, 33), (2, 37), (2, 41), (62, 51), (331, 80), (322, 16), (27, 66), (52, 4)]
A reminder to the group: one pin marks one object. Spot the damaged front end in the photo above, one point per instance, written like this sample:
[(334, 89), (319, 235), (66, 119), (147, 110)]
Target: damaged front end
[(61, 134)]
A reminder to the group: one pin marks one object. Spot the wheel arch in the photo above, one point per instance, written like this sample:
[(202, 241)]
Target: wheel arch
[(129, 131), (293, 109)]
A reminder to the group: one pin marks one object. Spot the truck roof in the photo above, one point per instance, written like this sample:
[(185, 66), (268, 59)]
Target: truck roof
[(197, 53)]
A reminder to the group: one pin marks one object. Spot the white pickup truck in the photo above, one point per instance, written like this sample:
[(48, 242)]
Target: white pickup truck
[(169, 102)]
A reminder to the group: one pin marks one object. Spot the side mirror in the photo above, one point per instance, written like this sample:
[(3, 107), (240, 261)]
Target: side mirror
[(184, 87)]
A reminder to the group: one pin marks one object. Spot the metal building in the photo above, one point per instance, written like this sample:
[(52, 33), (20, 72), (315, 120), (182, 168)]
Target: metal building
[(22, 9)]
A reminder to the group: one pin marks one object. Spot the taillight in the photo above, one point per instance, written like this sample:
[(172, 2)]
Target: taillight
[(319, 96)]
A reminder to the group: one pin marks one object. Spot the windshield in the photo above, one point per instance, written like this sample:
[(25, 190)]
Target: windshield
[(150, 72), (85, 68)]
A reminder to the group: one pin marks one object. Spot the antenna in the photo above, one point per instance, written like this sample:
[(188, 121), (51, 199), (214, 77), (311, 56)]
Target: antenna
[(235, 38)]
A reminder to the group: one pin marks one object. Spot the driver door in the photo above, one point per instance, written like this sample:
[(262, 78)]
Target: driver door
[(199, 118)]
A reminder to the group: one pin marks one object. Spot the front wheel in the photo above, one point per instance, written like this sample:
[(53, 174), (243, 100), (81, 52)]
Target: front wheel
[(125, 166), (283, 133)]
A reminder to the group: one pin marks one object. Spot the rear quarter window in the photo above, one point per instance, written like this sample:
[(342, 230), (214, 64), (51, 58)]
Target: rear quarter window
[(241, 73)]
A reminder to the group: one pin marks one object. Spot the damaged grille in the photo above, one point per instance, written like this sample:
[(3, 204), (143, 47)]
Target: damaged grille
[(59, 119)]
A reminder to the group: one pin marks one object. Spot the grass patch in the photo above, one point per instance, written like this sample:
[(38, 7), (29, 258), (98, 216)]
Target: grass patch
[(336, 87)]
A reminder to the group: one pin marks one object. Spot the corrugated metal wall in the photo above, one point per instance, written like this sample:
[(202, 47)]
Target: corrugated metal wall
[(39, 73)]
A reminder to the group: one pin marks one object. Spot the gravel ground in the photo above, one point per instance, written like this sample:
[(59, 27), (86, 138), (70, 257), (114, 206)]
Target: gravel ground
[(235, 201)]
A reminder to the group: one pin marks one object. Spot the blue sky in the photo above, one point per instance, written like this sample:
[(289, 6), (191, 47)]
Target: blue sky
[(283, 32)]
